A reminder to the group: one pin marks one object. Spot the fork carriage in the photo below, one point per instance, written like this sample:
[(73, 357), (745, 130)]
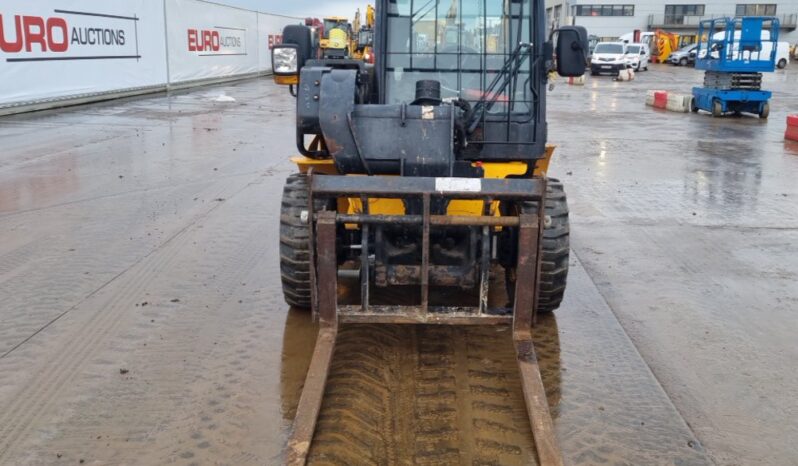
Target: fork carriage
[(325, 227)]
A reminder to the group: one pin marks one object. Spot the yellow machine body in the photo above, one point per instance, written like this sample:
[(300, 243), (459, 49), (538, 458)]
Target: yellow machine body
[(338, 39), (498, 170), (336, 35)]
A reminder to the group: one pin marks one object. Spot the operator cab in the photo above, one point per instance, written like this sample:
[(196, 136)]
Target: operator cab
[(454, 82)]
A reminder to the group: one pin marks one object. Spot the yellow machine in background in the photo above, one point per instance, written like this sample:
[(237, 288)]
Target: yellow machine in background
[(665, 43), (363, 40), (335, 43)]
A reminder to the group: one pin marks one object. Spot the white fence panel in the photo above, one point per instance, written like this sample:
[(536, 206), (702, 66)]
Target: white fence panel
[(56, 51), (52, 49), (270, 31), (208, 41)]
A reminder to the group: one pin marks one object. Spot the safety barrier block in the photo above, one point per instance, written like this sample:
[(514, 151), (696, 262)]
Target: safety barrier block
[(576, 81), (626, 75), (678, 103), (657, 99), (792, 128)]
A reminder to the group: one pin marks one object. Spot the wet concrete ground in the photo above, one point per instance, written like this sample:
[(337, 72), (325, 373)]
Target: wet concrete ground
[(142, 320), (688, 225)]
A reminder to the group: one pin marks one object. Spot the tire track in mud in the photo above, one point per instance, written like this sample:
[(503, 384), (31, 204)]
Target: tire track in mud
[(26, 408), (18, 417), (104, 245), (197, 401), (428, 395)]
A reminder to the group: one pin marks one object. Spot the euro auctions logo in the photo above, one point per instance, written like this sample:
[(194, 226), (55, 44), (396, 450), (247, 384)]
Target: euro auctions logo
[(68, 35), (217, 40)]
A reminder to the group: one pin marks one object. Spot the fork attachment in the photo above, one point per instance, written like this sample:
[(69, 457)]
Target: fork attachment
[(324, 279)]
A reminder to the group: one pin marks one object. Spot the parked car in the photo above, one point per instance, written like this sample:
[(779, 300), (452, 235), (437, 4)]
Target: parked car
[(684, 56), (638, 56), (608, 57)]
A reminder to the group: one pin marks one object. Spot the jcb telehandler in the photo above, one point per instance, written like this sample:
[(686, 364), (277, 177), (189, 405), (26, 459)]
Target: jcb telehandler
[(426, 173)]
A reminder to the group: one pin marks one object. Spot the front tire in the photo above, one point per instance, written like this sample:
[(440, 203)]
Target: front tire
[(683, 62), (782, 64), (295, 241), (555, 249)]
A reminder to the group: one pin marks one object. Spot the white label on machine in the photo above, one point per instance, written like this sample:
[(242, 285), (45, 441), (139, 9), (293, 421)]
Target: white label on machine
[(459, 185)]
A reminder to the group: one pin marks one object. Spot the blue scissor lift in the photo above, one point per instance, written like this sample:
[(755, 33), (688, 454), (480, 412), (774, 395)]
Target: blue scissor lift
[(734, 52)]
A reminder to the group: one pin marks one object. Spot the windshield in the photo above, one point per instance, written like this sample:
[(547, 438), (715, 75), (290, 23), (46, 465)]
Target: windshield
[(609, 48), (330, 24), (633, 49), (461, 43), (688, 48)]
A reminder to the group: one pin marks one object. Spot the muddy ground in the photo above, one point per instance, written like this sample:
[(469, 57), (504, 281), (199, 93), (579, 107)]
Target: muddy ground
[(141, 317)]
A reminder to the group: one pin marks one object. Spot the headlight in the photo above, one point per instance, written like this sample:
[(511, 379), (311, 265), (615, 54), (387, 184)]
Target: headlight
[(285, 60)]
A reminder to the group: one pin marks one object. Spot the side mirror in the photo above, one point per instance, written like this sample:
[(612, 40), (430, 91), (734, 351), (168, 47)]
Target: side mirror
[(572, 48)]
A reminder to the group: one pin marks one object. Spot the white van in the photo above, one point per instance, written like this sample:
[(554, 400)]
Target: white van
[(782, 49), (608, 57), (648, 38), (638, 56)]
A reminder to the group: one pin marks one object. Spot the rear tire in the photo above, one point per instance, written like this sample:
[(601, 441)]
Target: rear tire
[(295, 241), (782, 64), (693, 106), (765, 112), (555, 249), (717, 109)]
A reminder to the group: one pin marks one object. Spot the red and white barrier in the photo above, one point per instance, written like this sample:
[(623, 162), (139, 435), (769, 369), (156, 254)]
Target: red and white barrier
[(626, 75), (665, 100), (576, 81), (657, 99), (792, 128), (679, 103)]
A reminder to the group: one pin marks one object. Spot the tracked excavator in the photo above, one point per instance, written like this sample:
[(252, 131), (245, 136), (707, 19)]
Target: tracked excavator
[(426, 173)]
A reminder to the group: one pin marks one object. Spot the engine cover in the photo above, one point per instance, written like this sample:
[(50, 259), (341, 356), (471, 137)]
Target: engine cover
[(402, 139)]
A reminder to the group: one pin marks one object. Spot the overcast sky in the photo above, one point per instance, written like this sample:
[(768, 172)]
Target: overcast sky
[(302, 8)]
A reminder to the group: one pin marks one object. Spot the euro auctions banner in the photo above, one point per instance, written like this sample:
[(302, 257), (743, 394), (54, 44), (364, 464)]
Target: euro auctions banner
[(207, 40), (57, 48)]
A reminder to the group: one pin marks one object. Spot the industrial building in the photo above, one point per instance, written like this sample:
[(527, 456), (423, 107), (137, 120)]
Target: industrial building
[(608, 19)]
